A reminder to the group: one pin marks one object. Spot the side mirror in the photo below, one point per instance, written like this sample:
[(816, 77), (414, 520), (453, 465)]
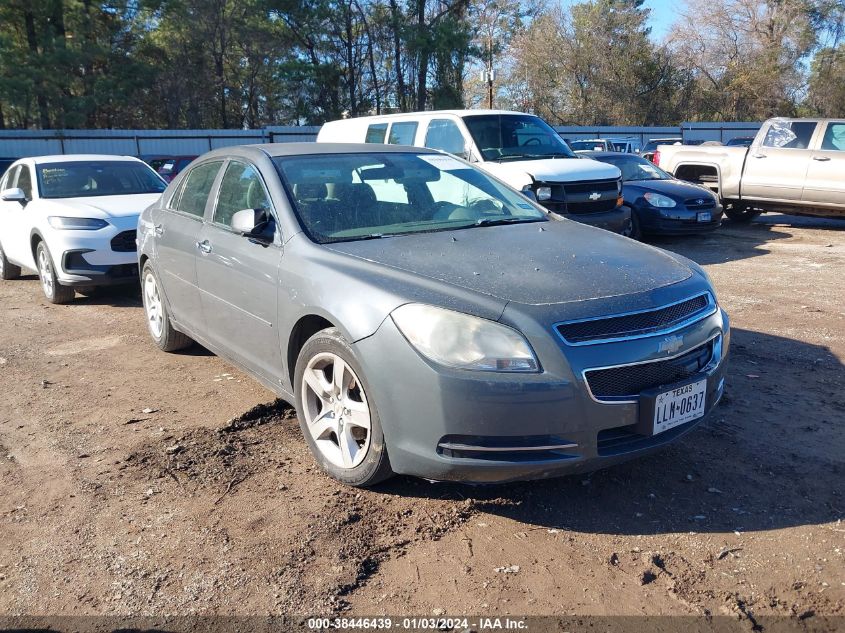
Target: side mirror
[(529, 193), (251, 222), (14, 195)]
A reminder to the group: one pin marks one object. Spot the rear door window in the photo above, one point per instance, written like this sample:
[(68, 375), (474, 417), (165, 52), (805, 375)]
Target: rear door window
[(376, 133), (403, 133), (790, 134), (241, 188), (834, 137), (445, 135), (198, 185)]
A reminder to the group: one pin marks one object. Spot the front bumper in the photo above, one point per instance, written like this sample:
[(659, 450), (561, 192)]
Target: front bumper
[(616, 220), (446, 424), (89, 258), (679, 222)]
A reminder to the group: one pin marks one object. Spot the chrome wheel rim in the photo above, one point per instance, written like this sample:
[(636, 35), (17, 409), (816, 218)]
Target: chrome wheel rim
[(336, 410), (45, 271), (153, 306)]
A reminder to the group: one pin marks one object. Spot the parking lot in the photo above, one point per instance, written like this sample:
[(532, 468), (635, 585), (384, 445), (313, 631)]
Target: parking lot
[(137, 482)]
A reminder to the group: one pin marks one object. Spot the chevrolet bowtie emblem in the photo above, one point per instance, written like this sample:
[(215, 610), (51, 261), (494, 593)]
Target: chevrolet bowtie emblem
[(671, 344), (595, 195)]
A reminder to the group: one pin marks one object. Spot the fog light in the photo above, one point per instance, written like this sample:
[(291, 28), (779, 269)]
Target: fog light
[(544, 193)]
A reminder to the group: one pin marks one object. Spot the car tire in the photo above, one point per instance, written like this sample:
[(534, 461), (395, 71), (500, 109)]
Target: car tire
[(636, 229), (741, 213), (7, 269), (53, 290), (337, 412), (633, 229), (159, 325)]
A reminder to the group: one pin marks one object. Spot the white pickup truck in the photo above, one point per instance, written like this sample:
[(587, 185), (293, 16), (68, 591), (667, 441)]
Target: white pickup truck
[(794, 166)]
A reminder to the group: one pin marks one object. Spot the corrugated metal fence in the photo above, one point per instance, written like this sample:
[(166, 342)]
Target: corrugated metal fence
[(20, 143)]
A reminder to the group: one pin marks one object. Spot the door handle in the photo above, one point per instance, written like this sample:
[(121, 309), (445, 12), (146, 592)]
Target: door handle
[(204, 246), (158, 229), (821, 159), (758, 155)]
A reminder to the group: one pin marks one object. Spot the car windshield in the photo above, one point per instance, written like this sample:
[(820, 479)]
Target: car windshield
[(97, 178), (346, 197), (502, 137), (636, 168), (587, 145), (653, 143)]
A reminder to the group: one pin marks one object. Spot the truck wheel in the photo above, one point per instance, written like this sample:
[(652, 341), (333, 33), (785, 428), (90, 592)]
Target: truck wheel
[(741, 213), (7, 269)]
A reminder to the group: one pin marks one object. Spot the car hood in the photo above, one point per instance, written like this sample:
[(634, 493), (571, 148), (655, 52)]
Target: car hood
[(102, 206), (676, 189), (534, 263), (519, 173)]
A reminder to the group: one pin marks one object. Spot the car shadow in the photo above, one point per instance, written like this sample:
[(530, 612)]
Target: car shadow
[(128, 296), (768, 457), (736, 241)]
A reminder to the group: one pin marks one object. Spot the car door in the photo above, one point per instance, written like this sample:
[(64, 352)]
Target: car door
[(825, 182), (8, 213), (239, 276), (446, 135), (178, 226), (17, 222), (776, 167)]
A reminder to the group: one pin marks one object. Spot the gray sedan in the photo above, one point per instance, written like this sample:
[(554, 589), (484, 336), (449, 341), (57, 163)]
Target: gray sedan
[(425, 318)]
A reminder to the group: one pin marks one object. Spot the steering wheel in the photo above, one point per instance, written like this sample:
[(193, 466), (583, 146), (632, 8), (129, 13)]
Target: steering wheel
[(534, 140)]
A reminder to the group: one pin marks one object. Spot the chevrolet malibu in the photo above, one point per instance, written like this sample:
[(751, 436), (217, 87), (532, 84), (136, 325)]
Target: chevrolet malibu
[(424, 318), (73, 219)]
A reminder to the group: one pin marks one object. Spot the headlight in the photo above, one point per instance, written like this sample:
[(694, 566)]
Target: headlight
[(544, 193), (76, 224), (659, 200), (458, 340)]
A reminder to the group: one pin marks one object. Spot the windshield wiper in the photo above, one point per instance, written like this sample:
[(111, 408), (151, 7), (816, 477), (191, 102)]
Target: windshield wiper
[(510, 220)]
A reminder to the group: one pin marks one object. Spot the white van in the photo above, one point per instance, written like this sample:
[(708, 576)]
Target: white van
[(520, 149)]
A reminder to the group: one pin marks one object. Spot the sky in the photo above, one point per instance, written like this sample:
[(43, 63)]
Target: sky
[(663, 14)]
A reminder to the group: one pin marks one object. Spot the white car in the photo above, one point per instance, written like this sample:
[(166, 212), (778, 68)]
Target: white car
[(73, 219), (519, 149)]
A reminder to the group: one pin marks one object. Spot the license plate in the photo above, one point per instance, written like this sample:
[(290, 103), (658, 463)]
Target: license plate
[(679, 405), (704, 216)]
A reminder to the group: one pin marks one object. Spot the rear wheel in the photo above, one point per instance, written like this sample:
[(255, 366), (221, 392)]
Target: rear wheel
[(159, 325), (53, 290), (741, 213), (338, 418), (7, 269)]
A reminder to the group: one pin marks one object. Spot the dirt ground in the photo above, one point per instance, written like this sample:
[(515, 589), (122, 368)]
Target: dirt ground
[(124, 488)]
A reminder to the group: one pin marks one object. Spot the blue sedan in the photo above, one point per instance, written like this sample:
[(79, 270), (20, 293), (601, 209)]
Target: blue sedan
[(660, 203)]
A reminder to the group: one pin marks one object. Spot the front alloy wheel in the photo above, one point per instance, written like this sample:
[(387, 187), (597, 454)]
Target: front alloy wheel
[(338, 419), (336, 410), (53, 290)]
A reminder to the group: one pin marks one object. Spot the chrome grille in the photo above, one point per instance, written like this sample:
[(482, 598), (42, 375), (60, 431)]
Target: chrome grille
[(704, 202), (635, 324), (627, 382)]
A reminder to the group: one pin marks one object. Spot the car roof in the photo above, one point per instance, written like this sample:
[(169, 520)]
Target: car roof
[(305, 149), (75, 158), (593, 154)]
